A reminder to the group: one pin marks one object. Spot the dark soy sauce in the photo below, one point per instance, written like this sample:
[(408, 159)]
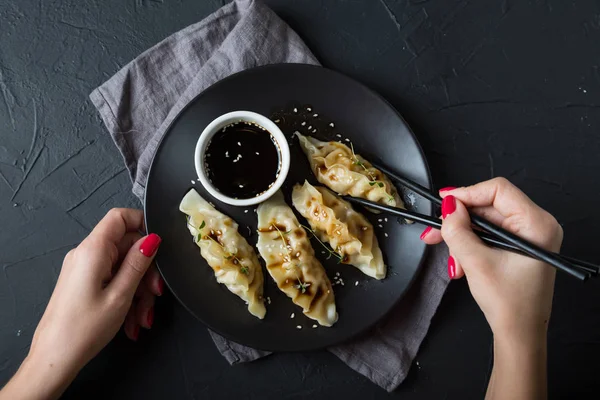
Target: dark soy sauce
[(242, 160)]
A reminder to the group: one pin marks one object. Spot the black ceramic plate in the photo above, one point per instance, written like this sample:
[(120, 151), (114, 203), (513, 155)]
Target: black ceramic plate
[(292, 94)]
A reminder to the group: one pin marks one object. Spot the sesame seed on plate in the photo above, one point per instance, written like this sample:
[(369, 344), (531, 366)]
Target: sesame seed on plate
[(308, 109), (314, 131), (314, 326), (293, 315), (239, 144), (277, 121), (303, 123), (332, 125), (193, 182), (385, 234), (298, 327), (226, 154), (385, 219), (338, 135), (379, 225), (245, 211), (337, 274), (295, 110), (356, 283), (315, 115), (347, 140), (269, 300), (257, 153), (309, 127), (379, 220)]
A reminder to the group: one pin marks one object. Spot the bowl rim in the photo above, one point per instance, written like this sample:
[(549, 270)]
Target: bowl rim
[(215, 127)]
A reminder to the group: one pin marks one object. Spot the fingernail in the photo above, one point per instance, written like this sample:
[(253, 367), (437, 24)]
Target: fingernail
[(150, 245), (160, 286), (150, 317), (135, 333), (425, 232), (447, 189), (451, 267), (448, 205)]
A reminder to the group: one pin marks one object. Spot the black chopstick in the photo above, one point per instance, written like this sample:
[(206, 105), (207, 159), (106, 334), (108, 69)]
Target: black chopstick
[(522, 244), (580, 269)]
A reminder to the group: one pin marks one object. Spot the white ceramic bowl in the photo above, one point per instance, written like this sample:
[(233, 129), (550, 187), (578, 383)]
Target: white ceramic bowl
[(215, 127)]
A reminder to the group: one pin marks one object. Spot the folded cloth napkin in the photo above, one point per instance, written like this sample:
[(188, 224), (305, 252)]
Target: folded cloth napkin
[(141, 100)]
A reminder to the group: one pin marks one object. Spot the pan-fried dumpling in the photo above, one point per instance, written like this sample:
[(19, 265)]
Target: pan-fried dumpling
[(291, 261), (340, 169), (347, 231), (227, 252)]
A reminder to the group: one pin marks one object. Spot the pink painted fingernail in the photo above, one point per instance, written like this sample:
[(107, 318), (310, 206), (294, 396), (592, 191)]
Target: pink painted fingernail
[(451, 267), (448, 205), (150, 245), (136, 333), (425, 232), (150, 317), (160, 286), (447, 189)]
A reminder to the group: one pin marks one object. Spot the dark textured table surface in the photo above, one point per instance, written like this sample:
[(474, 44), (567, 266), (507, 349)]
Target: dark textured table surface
[(491, 88)]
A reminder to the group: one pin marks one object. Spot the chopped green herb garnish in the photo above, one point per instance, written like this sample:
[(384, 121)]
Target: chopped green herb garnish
[(331, 251)]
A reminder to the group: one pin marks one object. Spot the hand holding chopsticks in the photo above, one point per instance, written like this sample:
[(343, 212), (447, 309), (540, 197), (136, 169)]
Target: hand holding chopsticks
[(493, 235)]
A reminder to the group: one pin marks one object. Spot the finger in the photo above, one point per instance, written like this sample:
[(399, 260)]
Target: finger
[(126, 242), (499, 193), (144, 310), (130, 326), (116, 223), (490, 214), (464, 245), (431, 236), (134, 265), (154, 281), (455, 270)]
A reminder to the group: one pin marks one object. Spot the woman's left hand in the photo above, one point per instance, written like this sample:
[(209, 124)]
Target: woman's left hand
[(104, 283)]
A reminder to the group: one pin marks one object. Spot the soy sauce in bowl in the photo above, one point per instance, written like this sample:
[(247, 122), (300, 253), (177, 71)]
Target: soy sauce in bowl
[(242, 160)]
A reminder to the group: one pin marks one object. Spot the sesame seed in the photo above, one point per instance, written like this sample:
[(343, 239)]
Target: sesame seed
[(257, 153), (314, 326), (298, 254), (309, 127), (332, 125), (293, 315), (308, 109), (277, 121), (269, 300), (322, 252), (239, 144), (295, 110), (245, 211), (385, 234), (314, 131), (385, 219), (226, 154), (315, 115), (379, 220), (338, 135), (298, 327), (347, 140), (241, 186), (329, 291), (193, 182), (379, 225), (356, 283), (303, 123), (337, 274)]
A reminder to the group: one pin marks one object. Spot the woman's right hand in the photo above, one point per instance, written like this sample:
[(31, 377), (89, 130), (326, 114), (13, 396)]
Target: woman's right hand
[(513, 291)]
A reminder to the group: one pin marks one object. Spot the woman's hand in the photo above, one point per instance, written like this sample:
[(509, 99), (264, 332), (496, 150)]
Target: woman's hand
[(93, 298), (513, 291)]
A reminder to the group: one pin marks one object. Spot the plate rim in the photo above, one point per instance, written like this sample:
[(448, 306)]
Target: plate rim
[(373, 92)]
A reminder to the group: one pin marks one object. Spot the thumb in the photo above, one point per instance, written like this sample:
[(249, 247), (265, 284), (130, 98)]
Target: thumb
[(135, 264), (464, 245)]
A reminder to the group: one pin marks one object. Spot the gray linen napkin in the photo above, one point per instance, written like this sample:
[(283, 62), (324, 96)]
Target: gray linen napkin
[(141, 100)]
